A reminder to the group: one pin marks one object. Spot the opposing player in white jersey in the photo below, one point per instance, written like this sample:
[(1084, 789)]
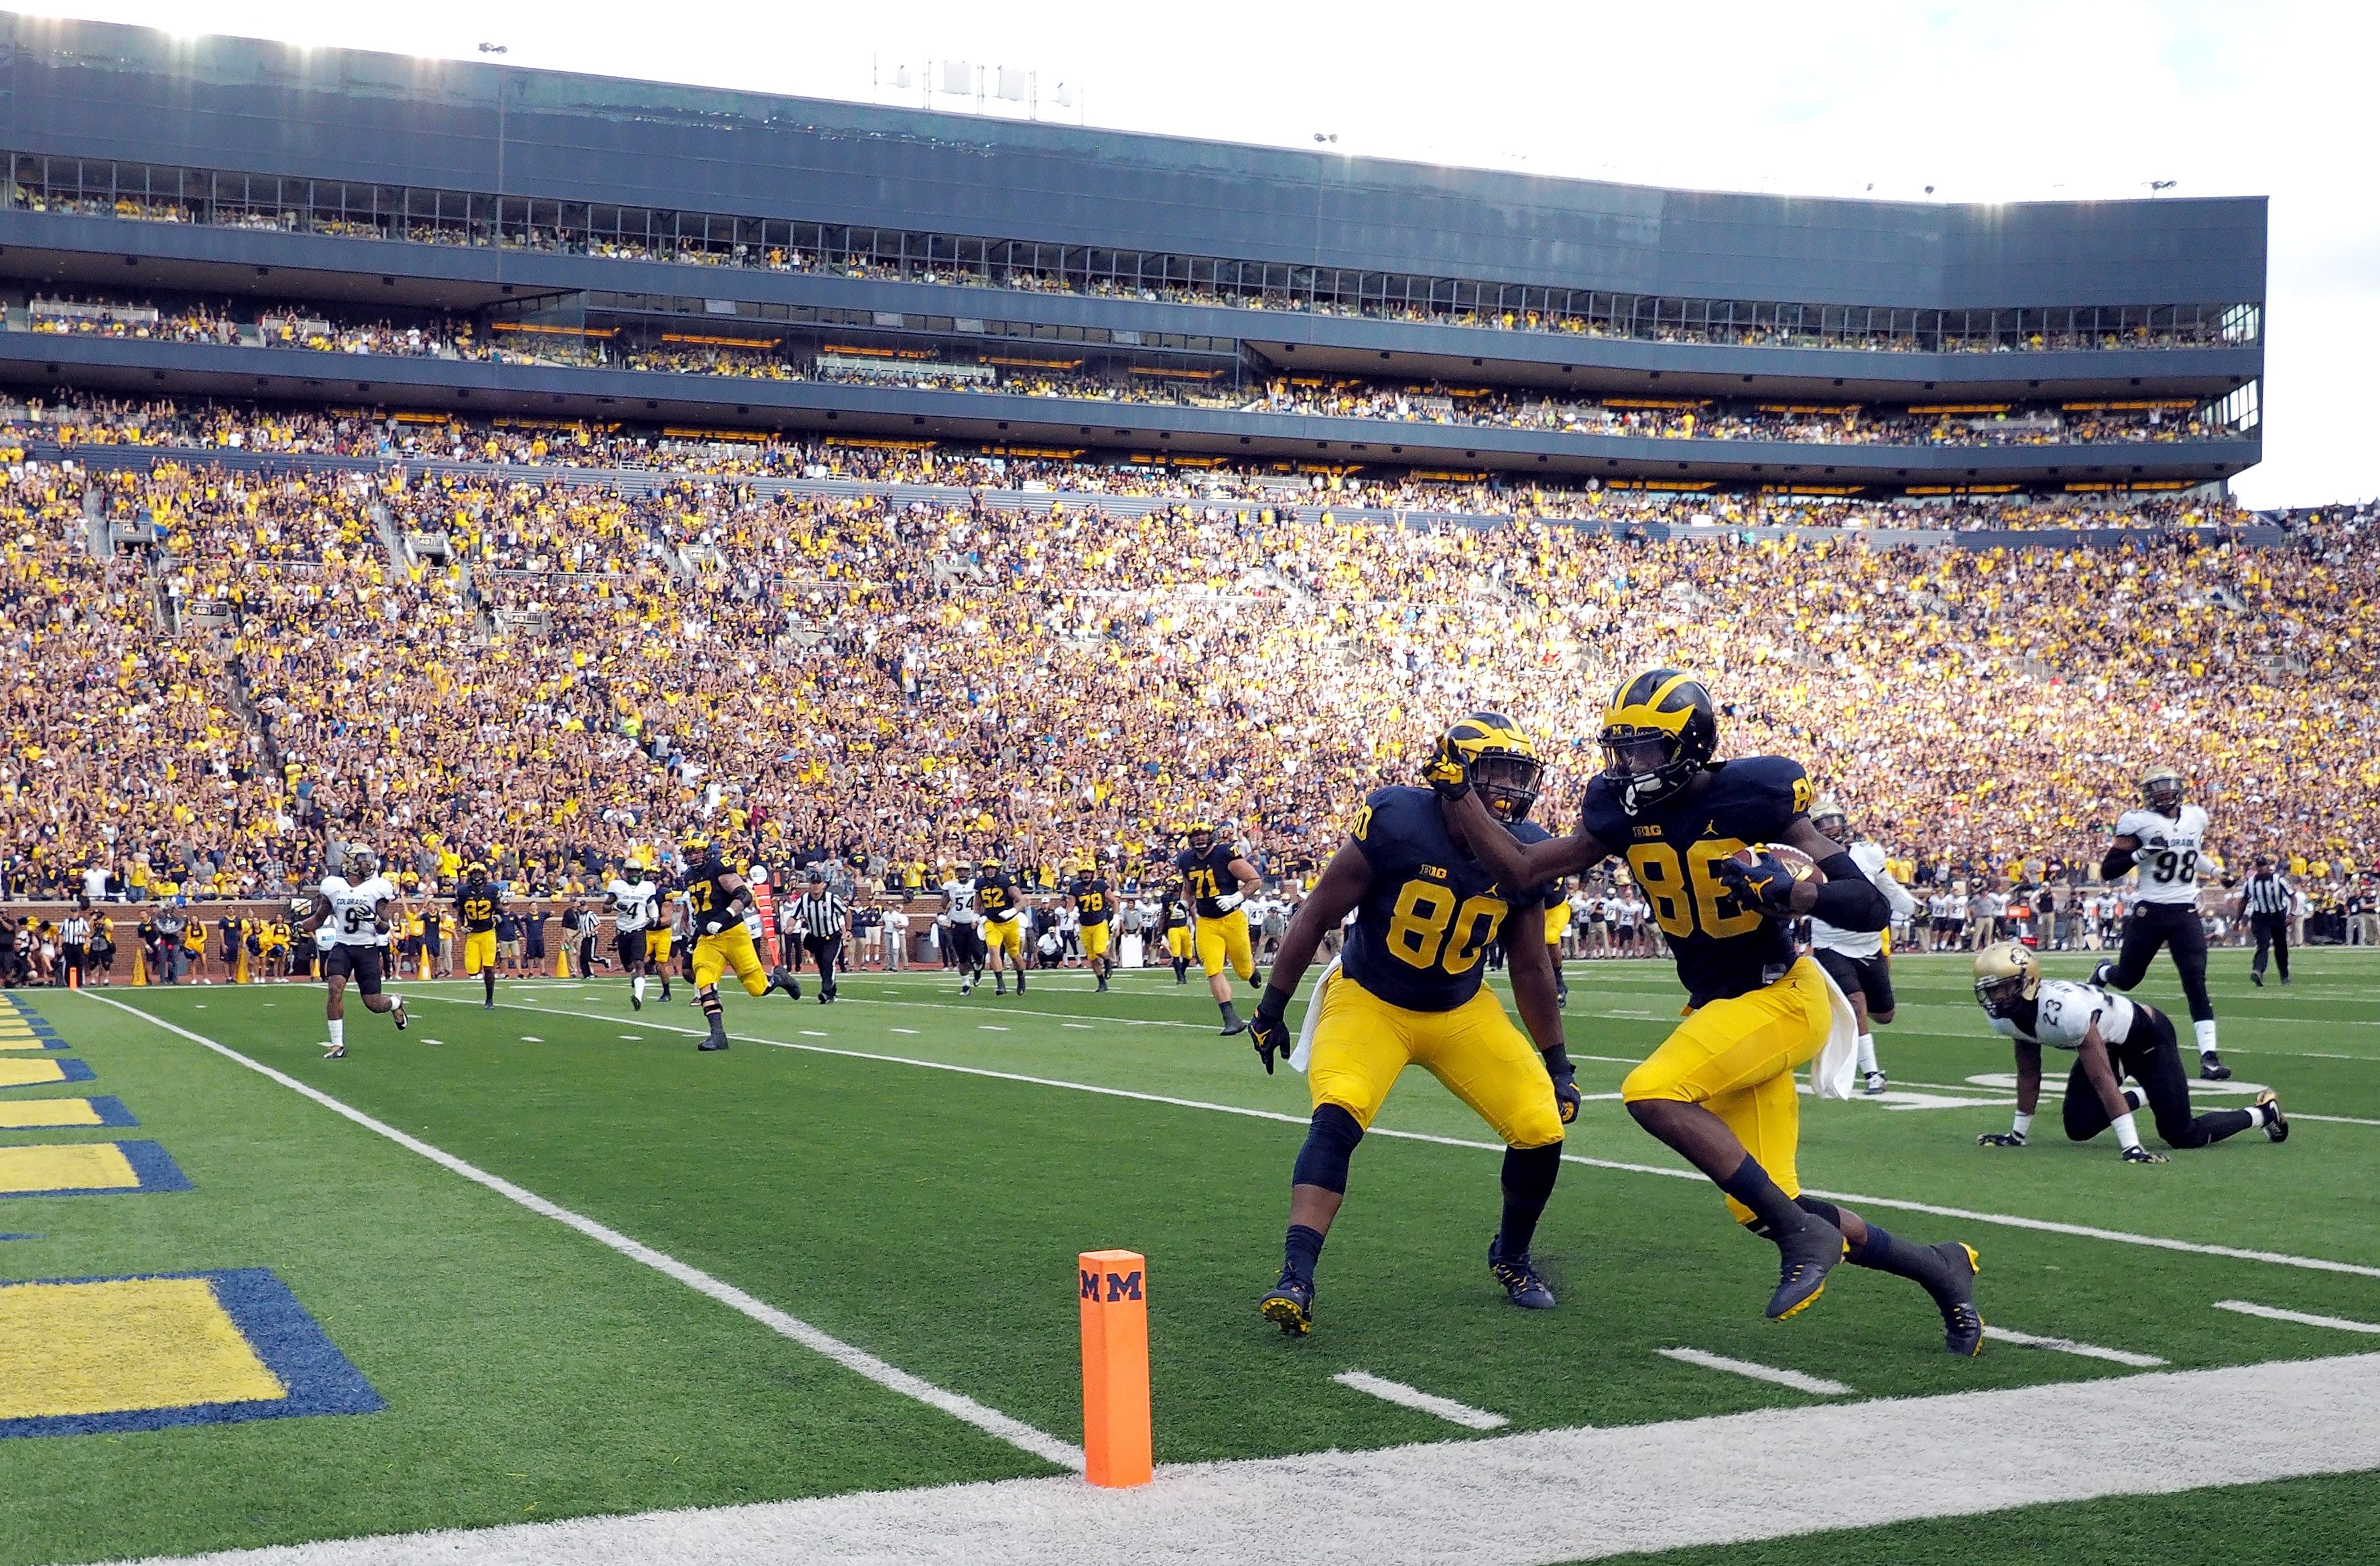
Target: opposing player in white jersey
[(2164, 842), (2112, 1037), (1855, 959), (350, 914), (961, 921), (635, 909)]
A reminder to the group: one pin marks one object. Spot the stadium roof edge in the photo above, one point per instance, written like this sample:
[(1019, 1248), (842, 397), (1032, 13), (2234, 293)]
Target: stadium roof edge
[(239, 58)]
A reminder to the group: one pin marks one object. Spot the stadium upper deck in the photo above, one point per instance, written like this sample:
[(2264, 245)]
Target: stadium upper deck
[(980, 282)]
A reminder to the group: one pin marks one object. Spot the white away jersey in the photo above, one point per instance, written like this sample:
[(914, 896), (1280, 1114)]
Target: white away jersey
[(2064, 1012), (960, 895), (2170, 846), (635, 905), (353, 908), (1869, 858)]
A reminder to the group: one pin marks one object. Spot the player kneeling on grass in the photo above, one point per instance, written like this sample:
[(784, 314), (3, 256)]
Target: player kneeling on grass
[(2112, 1036), (720, 900), (1406, 991), (348, 916)]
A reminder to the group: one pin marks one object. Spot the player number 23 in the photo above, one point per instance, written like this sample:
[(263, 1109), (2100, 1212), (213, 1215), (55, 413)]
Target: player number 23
[(1425, 914), (1689, 897)]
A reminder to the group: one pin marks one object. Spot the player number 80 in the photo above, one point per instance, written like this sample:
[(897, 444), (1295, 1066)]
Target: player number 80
[(1419, 923)]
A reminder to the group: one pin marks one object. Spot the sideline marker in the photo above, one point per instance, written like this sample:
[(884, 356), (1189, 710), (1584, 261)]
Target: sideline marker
[(1114, 1296)]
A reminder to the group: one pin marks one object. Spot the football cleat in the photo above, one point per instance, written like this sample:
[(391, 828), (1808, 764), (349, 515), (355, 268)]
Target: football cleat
[(2099, 973), (2257, 978), (2277, 1128), (783, 978), (488, 1005), (1290, 1306), (1806, 1255), (2142, 1155), (966, 986), (710, 1044), (2212, 1069), (1235, 1027), (396, 1015), (1522, 1284), (1963, 1324), (335, 1051), (2000, 1139), (636, 1002), (1874, 1085)]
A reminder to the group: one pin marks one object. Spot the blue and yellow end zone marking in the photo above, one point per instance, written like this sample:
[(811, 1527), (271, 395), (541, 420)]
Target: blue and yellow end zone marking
[(22, 1029), (36, 1073), (57, 1114), (103, 1356), (88, 1169)]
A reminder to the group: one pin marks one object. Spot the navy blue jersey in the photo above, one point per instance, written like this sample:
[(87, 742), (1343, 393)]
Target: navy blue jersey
[(1205, 877), (1093, 905), (1431, 911), (1674, 849), (995, 893)]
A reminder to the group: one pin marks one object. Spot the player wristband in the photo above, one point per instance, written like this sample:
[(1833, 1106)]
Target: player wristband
[(1273, 1003), (1556, 1061)]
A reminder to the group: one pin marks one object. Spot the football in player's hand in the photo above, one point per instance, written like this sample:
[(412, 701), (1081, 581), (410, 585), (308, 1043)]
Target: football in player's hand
[(1798, 864)]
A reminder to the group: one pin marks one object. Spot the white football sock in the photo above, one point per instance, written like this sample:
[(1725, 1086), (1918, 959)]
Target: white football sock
[(2206, 1031), (339, 1033), (2125, 1134), (1868, 1052), (638, 986)]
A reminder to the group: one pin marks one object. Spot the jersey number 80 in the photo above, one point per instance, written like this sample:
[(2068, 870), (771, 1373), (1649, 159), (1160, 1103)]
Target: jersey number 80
[(1425, 914)]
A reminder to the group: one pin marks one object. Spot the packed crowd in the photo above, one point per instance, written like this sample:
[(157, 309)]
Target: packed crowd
[(530, 445), (2145, 422), (550, 674), (1262, 288)]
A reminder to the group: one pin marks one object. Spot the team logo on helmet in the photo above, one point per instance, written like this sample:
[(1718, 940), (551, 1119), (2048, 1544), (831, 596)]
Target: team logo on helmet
[(1500, 760), (1200, 835), (1658, 731), (2162, 789), (2006, 978)]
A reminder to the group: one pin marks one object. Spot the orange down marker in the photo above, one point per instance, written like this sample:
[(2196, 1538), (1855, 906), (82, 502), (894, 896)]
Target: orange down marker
[(1113, 1286)]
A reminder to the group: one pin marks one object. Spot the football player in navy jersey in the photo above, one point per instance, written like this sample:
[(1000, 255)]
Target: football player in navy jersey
[(1406, 991), (1720, 1089)]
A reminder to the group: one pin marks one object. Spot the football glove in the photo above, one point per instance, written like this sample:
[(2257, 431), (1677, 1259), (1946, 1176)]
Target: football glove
[(1565, 1076), (2142, 1155), (1231, 900), (1447, 772), (1269, 1031), (2000, 1139), (1767, 886)]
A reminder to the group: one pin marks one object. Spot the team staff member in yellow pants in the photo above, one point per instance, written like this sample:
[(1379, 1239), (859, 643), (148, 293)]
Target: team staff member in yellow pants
[(1719, 1090), (1215, 882), (719, 899), (1408, 992), (476, 910)]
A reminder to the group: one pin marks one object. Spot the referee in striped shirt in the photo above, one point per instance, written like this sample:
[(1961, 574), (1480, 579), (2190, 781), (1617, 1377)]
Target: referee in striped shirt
[(74, 946), (2266, 896), (822, 917)]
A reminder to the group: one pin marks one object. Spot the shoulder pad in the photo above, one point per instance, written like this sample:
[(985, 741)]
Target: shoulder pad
[(1776, 778)]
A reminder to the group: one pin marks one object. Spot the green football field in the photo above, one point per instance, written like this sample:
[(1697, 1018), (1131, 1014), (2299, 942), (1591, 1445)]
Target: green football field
[(572, 1268)]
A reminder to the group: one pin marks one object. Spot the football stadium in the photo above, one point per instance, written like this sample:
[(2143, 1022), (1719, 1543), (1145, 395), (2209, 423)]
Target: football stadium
[(852, 746)]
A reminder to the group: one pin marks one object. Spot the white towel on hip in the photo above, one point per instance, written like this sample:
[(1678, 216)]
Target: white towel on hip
[(1305, 1050), (1833, 1072)]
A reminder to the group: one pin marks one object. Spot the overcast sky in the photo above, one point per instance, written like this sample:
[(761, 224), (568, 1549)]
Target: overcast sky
[(2011, 99)]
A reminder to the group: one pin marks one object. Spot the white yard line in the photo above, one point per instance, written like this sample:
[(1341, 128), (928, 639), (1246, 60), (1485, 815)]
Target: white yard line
[(2303, 1318), (2333, 1120), (2006, 1221), (991, 1421), (1397, 1392), (2067, 1345), (1817, 1385), (1518, 1499)]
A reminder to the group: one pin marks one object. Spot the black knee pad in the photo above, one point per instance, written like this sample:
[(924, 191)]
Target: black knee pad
[(1330, 1142), (1816, 1208)]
